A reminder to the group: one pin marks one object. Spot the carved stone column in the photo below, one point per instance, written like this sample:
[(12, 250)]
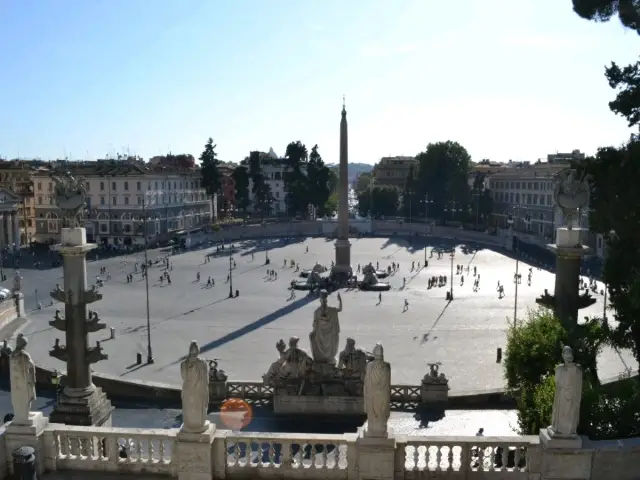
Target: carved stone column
[(81, 402)]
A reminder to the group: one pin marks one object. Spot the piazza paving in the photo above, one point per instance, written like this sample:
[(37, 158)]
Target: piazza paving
[(242, 332)]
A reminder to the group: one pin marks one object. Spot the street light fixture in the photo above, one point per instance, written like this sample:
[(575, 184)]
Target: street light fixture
[(146, 279), (230, 272), (514, 224), (452, 255), (452, 208), (426, 202)]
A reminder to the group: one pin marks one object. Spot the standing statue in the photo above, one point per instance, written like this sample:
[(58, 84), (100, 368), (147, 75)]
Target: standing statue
[(70, 197), (17, 282), (571, 195), (566, 402), (377, 394), (23, 381), (325, 335), (195, 391)]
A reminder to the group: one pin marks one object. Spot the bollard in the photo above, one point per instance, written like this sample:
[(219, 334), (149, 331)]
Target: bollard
[(138, 358), (499, 355), (113, 333), (237, 293), (24, 463)]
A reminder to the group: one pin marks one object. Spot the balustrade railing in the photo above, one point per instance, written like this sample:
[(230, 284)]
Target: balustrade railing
[(249, 390), (405, 393), (111, 449), (457, 457), (326, 456)]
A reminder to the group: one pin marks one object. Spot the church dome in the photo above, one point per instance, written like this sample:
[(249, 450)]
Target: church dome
[(272, 154)]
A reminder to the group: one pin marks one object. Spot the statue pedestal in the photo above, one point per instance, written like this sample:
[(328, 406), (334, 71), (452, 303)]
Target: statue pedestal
[(376, 456), (19, 299), (28, 432), (217, 391), (194, 454), (549, 440), (84, 407), (434, 392)]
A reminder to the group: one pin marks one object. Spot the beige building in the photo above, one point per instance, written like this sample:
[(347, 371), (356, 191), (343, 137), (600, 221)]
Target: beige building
[(15, 178), (393, 171)]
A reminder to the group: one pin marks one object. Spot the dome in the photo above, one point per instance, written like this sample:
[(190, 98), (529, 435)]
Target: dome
[(271, 153)]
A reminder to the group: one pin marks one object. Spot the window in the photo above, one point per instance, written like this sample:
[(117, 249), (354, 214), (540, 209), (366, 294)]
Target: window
[(512, 185), (139, 185), (102, 186), (549, 200), (535, 185), (529, 187), (126, 185), (541, 199), (517, 198), (127, 228), (139, 200), (511, 197), (126, 200), (39, 186), (50, 187), (535, 199), (156, 187), (113, 186), (39, 200), (104, 228), (114, 200), (50, 200), (528, 199), (277, 194), (101, 200)]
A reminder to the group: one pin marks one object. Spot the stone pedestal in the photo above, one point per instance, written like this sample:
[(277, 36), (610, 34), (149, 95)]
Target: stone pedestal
[(80, 403), (376, 456), (569, 252), (562, 457), (27, 433), (317, 405), (434, 392), (194, 454)]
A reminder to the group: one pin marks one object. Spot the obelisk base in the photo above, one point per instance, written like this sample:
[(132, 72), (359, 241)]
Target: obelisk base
[(91, 408), (342, 271)]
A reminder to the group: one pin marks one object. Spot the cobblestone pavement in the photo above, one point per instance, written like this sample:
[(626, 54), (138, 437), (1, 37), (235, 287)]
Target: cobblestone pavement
[(242, 332)]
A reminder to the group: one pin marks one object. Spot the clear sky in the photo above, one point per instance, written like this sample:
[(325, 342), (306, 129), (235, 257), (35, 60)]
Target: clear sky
[(508, 79)]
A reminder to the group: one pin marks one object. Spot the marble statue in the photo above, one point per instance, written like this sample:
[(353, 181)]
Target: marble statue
[(571, 194), (195, 391), (17, 282), (325, 335), (23, 381), (566, 402), (353, 360), (276, 369), (434, 376), (377, 394), (70, 197), (297, 362)]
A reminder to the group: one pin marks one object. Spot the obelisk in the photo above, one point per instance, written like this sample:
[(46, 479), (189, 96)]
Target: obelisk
[(342, 269)]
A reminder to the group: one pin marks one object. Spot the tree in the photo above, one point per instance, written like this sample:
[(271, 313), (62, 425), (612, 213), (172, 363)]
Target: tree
[(628, 11), (241, 177), (262, 196), (331, 205), (318, 177), (295, 180), (211, 179), (363, 183), (379, 201), (409, 194), (443, 170)]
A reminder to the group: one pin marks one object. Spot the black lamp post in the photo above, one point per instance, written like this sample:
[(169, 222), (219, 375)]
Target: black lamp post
[(426, 222), (146, 280), (452, 255), (230, 272)]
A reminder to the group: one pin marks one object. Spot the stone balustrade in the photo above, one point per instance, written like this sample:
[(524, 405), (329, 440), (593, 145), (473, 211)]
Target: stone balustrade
[(237, 454)]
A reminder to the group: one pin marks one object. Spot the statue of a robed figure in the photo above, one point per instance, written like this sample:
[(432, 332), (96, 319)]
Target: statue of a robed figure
[(195, 391), (325, 335), (566, 402), (23, 381), (377, 394)]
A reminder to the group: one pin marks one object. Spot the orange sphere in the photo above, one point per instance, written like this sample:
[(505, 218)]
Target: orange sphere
[(236, 413)]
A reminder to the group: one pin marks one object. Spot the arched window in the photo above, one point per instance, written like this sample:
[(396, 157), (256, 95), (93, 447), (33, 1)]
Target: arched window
[(53, 222), (126, 217), (103, 217)]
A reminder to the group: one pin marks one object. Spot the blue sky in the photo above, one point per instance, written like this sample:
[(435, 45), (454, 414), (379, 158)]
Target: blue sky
[(508, 79)]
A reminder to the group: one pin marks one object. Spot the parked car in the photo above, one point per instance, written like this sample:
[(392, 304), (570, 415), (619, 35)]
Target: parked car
[(4, 293)]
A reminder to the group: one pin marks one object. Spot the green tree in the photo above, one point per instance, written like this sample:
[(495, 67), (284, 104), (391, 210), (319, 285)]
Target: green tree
[(211, 179), (295, 179), (443, 170), (628, 11), (363, 183), (410, 194), (262, 197), (241, 177), (318, 176), (379, 201), (331, 205)]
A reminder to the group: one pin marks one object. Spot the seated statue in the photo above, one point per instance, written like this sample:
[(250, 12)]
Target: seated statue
[(297, 362), (276, 369), (353, 361), (314, 278), (317, 268)]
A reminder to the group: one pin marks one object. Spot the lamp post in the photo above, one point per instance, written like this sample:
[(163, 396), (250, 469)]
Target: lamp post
[(410, 195), (146, 279), (426, 222), (452, 255), (452, 208), (230, 272), (514, 224), (477, 192)]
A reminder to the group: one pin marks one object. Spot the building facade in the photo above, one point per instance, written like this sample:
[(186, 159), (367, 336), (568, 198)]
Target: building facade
[(273, 168), (393, 171), (128, 203), (15, 177)]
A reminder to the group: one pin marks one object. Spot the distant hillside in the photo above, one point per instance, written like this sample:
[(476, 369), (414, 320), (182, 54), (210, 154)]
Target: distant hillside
[(355, 169)]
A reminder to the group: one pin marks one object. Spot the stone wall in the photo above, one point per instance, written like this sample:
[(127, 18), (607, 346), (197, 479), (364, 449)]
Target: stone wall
[(8, 311)]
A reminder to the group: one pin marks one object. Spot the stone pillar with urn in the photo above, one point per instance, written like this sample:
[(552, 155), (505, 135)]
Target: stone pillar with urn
[(571, 196), (80, 402)]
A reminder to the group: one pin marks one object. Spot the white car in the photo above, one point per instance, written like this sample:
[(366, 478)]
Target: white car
[(4, 293)]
